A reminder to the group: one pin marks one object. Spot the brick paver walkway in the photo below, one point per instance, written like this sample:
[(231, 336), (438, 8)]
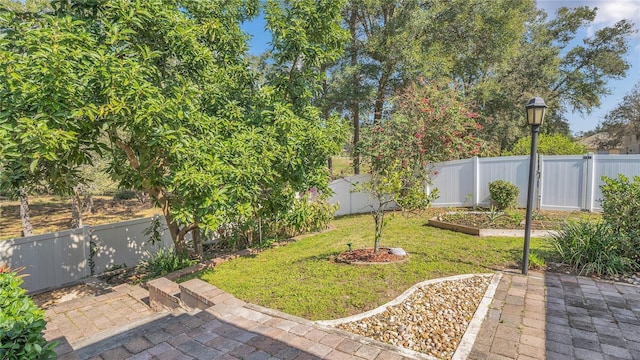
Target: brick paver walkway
[(514, 327), (588, 319), (556, 316), (540, 316), (84, 317)]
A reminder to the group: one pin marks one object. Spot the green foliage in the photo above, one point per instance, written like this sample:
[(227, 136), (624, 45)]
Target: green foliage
[(42, 84), (623, 120), (307, 216), (595, 248), (504, 194), (21, 323), (153, 231), (163, 262), (612, 246), (124, 194), (621, 204), (536, 261), (548, 145), (430, 124), (164, 92)]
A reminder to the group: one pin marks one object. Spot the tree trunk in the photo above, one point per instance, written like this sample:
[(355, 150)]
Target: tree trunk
[(27, 228), (378, 217), (174, 229), (88, 204), (142, 196), (355, 105), (330, 164), (197, 243), (76, 208)]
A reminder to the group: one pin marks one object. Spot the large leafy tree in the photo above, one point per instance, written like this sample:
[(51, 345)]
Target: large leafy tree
[(171, 87), (42, 84), (495, 53), (569, 75)]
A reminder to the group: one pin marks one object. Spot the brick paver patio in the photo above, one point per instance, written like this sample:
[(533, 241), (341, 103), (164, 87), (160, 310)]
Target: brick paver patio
[(552, 316)]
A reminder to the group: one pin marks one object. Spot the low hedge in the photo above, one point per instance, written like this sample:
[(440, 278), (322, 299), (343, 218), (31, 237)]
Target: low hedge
[(21, 323)]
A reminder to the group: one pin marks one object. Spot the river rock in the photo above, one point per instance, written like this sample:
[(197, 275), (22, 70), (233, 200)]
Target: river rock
[(397, 251)]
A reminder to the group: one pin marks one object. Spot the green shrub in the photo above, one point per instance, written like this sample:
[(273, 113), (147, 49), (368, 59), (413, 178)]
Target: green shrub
[(504, 194), (21, 323), (124, 194), (621, 203), (165, 261), (594, 248), (307, 216)]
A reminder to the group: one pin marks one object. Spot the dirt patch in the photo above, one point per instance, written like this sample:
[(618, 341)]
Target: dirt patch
[(50, 214), (61, 295), (364, 256)]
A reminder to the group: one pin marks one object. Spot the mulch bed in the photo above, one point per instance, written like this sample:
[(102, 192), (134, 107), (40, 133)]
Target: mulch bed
[(368, 256)]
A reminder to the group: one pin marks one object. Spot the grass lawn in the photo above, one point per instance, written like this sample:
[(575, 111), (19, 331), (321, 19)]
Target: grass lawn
[(301, 279), (343, 167)]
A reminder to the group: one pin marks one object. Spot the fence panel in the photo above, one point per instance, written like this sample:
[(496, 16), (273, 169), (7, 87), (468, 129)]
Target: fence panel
[(514, 169), (611, 166), (563, 182), (55, 259), (50, 260), (455, 183), (124, 243), (351, 202)]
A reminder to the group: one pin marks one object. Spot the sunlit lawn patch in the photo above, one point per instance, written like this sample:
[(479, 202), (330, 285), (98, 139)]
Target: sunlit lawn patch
[(301, 278)]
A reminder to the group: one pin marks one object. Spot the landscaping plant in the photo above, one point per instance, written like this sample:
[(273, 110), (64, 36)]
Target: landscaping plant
[(21, 322), (609, 247), (594, 248), (504, 194), (621, 203), (430, 124), (163, 262)]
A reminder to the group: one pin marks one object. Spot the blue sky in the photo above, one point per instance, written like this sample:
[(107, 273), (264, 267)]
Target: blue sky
[(609, 12)]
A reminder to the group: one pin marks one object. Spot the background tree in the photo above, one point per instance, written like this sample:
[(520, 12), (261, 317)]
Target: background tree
[(493, 52), (623, 120), (548, 64), (548, 145)]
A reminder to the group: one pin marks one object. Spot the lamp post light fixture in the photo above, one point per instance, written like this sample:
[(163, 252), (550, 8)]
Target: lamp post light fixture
[(536, 109)]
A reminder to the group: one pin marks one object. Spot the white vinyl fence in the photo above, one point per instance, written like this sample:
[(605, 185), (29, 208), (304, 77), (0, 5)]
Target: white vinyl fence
[(54, 259), (562, 183)]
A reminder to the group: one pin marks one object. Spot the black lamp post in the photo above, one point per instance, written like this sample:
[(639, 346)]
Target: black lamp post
[(535, 115)]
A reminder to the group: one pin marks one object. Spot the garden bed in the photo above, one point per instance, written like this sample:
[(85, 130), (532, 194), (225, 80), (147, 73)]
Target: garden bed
[(506, 224)]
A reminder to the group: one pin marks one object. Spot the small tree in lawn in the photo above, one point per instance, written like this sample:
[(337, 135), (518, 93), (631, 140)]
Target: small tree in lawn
[(398, 173), (429, 124)]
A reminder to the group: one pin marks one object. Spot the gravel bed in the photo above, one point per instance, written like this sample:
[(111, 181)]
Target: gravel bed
[(432, 320)]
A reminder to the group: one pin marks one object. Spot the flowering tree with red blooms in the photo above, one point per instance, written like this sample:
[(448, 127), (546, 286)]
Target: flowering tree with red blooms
[(428, 125), (447, 128)]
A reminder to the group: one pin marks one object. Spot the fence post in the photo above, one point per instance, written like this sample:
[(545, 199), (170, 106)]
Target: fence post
[(86, 245), (476, 181), (540, 186), (590, 181)]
